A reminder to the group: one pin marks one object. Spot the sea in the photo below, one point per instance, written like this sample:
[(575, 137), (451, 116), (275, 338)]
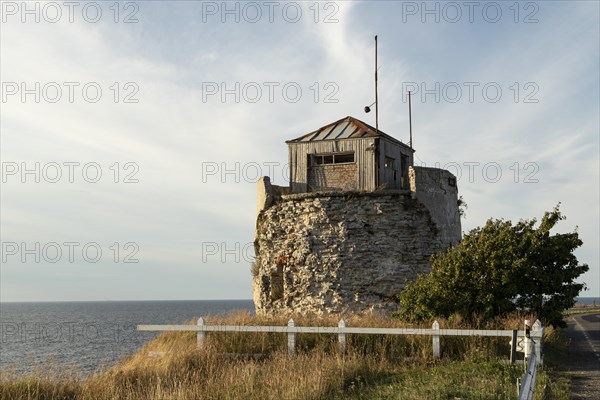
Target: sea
[(88, 336)]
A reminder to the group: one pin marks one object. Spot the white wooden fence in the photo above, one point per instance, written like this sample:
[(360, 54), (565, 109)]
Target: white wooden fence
[(342, 330), (531, 346)]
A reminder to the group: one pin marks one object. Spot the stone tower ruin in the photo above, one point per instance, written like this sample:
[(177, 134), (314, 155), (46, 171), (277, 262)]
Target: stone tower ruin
[(357, 223)]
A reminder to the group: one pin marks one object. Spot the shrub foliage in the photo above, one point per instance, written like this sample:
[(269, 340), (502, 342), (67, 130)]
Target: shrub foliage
[(500, 268)]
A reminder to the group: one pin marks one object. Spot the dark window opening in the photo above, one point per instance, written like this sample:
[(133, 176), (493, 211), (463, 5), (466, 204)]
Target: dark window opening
[(324, 159), (404, 160), (389, 162), (344, 158)]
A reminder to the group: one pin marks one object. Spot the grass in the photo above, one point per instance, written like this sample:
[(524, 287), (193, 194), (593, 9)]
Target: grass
[(551, 383), (373, 367), (580, 311), (457, 380)]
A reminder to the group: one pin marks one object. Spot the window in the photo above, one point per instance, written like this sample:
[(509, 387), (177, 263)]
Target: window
[(344, 158), (336, 158), (404, 161), (389, 162)]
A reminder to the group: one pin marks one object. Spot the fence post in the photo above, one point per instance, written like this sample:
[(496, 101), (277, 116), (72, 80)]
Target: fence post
[(527, 341), (341, 336), (200, 335), (291, 338), (538, 330), (436, 339), (513, 347)]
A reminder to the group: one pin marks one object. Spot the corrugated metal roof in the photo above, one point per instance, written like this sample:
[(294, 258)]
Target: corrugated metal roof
[(339, 130), (321, 134), (345, 128)]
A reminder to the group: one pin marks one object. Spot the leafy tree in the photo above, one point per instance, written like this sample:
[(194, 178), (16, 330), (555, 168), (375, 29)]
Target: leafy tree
[(501, 268)]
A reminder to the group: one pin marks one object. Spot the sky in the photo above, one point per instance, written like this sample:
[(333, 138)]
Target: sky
[(132, 134)]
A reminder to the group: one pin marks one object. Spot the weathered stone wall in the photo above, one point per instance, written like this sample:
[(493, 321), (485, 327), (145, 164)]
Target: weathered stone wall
[(437, 189), (332, 177), (340, 252)]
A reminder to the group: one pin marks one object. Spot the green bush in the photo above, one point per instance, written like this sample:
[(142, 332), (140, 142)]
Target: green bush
[(501, 268)]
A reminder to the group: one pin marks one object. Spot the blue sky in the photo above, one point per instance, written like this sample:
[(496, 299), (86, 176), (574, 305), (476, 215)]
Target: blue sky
[(169, 111)]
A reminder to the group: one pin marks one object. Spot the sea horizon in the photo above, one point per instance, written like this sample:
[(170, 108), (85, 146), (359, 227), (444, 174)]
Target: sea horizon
[(578, 300), (108, 301), (91, 334)]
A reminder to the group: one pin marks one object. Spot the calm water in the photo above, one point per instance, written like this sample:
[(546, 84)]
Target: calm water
[(90, 334)]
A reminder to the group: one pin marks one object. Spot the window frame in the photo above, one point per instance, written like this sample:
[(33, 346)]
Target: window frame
[(322, 157)]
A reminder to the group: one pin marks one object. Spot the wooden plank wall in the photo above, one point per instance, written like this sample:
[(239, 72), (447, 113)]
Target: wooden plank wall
[(364, 158), (393, 150)]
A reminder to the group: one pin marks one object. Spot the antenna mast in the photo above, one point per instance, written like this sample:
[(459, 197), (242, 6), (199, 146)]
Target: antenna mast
[(376, 102), (410, 143)]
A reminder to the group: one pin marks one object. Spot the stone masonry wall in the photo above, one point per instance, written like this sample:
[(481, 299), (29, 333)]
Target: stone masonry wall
[(437, 189), (332, 177), (340, 252)]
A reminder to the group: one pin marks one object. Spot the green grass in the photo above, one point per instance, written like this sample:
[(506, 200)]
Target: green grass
[(582, 310), (552, 384), (466, 380)]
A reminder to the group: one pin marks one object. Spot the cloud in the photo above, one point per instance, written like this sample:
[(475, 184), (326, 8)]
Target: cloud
[(197, 154)]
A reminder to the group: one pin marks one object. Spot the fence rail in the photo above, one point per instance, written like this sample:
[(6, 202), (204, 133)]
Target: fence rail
[(527, 386), (533, 358), (342, 330)]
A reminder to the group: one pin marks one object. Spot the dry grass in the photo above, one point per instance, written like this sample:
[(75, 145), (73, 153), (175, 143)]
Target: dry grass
[(170, 366)]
